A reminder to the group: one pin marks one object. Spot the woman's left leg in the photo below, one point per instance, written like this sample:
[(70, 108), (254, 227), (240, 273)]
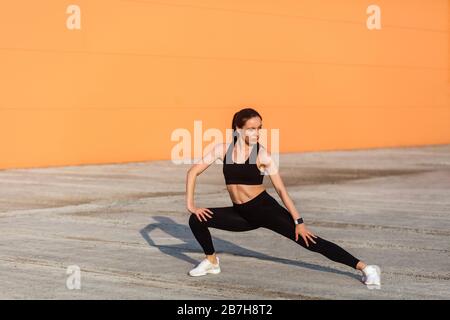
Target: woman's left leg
[(277, 218)]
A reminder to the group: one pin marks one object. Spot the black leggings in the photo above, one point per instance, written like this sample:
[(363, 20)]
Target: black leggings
[(262, 211)]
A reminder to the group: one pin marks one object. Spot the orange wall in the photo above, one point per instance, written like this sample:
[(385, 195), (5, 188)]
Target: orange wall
[(138, 69)]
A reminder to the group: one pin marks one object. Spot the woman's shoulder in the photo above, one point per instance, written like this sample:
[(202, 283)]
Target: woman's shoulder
[(263, 151), (264, 155), (221, 149)]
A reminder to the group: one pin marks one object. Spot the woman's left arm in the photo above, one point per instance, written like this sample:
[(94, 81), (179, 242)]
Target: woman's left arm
[(271, 168)]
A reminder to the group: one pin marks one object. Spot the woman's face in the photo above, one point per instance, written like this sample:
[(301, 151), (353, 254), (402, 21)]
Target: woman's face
[(250, 131)]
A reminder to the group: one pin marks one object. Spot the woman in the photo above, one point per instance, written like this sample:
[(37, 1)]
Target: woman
[(252, 206)]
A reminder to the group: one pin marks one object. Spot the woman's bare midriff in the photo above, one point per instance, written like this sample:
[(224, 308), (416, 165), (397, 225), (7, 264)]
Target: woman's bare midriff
[(240, 193)]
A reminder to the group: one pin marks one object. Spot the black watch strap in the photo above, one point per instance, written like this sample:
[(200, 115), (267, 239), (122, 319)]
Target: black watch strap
[(299, 221)]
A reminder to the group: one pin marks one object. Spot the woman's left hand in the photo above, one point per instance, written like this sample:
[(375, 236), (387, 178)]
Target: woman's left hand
[(300, 229)]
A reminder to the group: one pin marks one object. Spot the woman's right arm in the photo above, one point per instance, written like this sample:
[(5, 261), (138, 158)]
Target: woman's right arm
[(198, 168)]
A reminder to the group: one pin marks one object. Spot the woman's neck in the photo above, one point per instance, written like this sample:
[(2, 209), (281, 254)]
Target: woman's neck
[(241, 147)]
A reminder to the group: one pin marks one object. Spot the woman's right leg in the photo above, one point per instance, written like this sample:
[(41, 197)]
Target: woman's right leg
[(225, 218)]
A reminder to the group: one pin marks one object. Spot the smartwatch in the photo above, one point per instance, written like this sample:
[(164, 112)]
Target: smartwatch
[(299, 221)]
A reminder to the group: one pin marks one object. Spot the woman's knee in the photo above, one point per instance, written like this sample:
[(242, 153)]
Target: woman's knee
[(319, 245), (194, 222), (311, 246)]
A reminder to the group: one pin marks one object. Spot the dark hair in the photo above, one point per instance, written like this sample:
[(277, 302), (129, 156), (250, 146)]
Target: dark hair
[(241, 117)]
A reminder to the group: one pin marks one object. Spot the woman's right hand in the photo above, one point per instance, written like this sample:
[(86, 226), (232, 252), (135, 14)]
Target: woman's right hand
[(201, 213)]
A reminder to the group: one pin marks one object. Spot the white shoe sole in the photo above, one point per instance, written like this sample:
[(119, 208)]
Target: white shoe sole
[(215, 271)]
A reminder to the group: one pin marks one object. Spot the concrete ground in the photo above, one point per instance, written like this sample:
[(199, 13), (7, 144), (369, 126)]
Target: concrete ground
[(126, 227)]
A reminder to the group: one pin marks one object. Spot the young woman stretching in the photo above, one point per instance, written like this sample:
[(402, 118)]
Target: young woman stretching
[(252, 206)]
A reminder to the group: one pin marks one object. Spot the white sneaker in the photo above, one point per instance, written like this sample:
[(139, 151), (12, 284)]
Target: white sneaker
[(205, 267), (371, 276)]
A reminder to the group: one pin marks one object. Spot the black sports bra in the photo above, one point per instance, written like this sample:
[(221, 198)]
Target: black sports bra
[(242, 173)]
